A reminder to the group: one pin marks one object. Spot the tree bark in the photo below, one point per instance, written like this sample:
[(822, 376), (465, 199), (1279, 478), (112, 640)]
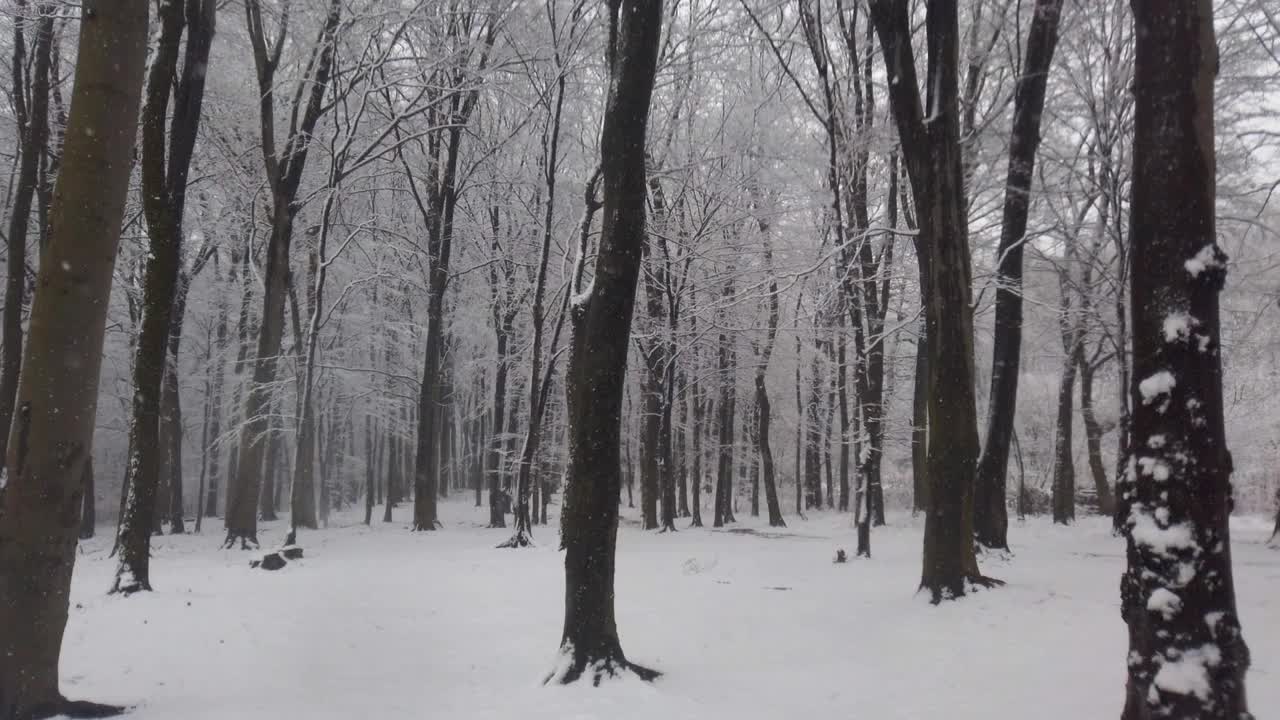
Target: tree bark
[(726, 367), (598, 356), (1178, 594), (1064, 474), (51, 442), (991, 514), (932, 154), (155, 443), (1093, 436), (33, 140), (284, 175)]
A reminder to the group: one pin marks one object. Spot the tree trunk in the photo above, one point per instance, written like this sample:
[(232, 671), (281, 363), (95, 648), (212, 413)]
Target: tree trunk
[(650, 428), (1178, 594), (699, 404), (1093, 436), (920, 426), (682, 451), (370, 476), (165, 168), (991, 514), (269, 496), (88, 509), (932, 154), (800, 428), (284, 176), (33, 140), (51, 441), (813, 440), (598, 357), (725, 426), (1064, 474), (213, 440)]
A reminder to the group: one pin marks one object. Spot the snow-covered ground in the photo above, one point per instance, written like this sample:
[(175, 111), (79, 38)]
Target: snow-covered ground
[(382, 623)]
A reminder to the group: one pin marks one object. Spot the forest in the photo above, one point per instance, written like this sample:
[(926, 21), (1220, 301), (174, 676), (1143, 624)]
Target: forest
[(401, 358)]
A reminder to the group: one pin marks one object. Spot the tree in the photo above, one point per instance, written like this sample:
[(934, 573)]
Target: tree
[(931, 152), (33, 140), (601, 324), (284, 178), (437, 207), (1187, 656), (51, 441), (165, 168), (991, 514), (540, 379), (763, 411)]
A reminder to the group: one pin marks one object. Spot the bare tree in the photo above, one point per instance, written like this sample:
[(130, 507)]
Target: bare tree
[(166, 164), (931, 152), (595, 377), (284, 178)]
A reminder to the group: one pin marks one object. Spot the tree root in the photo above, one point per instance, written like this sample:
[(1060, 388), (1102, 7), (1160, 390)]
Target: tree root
[(520, 540), (76, 709), (598, 670)]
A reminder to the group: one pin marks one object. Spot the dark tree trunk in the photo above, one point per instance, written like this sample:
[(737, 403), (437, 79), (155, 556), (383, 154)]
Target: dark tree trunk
[(370, 471), (213, 440), (682, 451), (991, 515), (284, 175), (88, 509), (598, 356), (725, 426), (33, 140), (51, 440), (650, 422), (842, 398), (426, 470), (800, 428), (165, 168), (699, 404), (1064, 473), (269, 495), (813, 440), (497, 518), (1178, 594), (1093, 436), (920, 426), (172, 400), (932, 154)]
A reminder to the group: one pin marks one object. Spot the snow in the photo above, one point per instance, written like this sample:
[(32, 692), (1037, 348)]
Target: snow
[(387, 624), (1205, 259), (1159, 537), (1154, 468), (1188, 674), (1165, 602), (1160, 383), (1178, 326)]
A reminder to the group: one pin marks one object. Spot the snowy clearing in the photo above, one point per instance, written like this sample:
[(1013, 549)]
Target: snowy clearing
[(747, 623)]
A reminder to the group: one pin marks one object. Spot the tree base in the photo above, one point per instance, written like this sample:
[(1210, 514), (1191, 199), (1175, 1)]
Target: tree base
[(246, 542), (75, 709), (993, 553), (427, 527), (520, 540), (578, 668), (937, 595), (128, 586)]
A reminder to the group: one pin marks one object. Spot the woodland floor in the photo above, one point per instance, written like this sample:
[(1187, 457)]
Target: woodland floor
[(381, 623)]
